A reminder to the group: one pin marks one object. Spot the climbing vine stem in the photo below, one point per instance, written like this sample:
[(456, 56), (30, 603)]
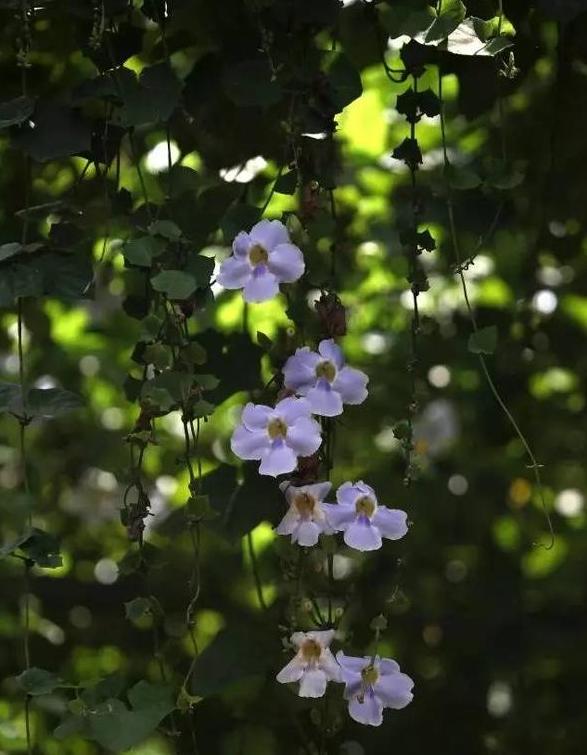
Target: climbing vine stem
[(533, 463)]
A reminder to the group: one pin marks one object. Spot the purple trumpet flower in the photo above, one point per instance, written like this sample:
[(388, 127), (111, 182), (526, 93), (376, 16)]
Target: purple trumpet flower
[(276, 436), (373, 684), (261, 260), (305, 520), (361, 518), (313, 666), (323, 378)]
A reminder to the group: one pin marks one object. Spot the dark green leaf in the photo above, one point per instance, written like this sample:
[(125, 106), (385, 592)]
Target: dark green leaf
[(409, 152), (58, 132), (345, 81), (175, 284), (16, 111), (407, 17), (138, 608), (52, 402), (37, 681), (483, 341), (451, 15), (230, 659), (239, 217), (166, 228), (287, 183), (462, 178), (142, 250), (251, 83)]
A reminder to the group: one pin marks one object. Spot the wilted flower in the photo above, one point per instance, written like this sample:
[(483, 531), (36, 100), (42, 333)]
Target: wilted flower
[(261, 260), (276, 436), (324, 379), (305, 520), (313, 666), (363, 521), (373, 684)]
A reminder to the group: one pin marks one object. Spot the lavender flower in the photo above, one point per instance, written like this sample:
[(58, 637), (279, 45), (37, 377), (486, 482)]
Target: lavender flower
[(276, 436), (261, 260), (373, 684), (363, 521), (324, 379), (305, 519), (313, 666)]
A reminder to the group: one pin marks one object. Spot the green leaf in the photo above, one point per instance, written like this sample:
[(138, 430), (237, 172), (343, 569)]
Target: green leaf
[(142, 250), (10, 250), (175, 284), (503, 175), (117, 728), (237, 218), (62, 276), (10, 397), (201, 268), (451, 15), (16, 111), (37, 681), (231, 658), (58, 132), (199, 508), (137, 608), (410, 17), (345, 81), (409, 152), (287, 183), (483, 341), (36, 545), (462, 178), (166, 228), (52, 402), (251, 83), (151, 98)]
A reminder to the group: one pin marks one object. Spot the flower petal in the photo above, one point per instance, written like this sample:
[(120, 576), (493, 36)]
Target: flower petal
[(347, 494), (306, 533), (395, 690), (299, 372), (324, 401), (322, 636), (289, 522), (269, 233), (234, 273), (330, 667), (369, 712), (278, 459), (241, 245), (362, 536), (339, 517), (352, 385), (286, 262), (292, 672), (261, 286), (249, 444), (313, 683), (291, 409), (352, 663), (304, 436), (319, 490), (392, 523), (388, 666), (256, 416), (331, 351)]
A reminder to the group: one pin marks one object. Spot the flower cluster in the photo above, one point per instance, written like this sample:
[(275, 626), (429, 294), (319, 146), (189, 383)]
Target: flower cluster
[(278, 436), (371, 683), (357, 514), (283, 438)]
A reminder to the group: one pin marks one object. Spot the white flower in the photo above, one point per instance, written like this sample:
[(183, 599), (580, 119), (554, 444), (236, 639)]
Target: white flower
[(313, 666), (305, 519)]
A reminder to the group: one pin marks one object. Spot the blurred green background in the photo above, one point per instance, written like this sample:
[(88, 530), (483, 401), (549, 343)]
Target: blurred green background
[(490, 625)]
